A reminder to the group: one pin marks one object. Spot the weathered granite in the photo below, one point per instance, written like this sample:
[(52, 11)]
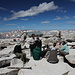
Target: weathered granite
[(71, 58), (6, 71), (7, 50), (42, 67), (72, 72), (12, 71), (6, 60), (71, 51), (60, 58)]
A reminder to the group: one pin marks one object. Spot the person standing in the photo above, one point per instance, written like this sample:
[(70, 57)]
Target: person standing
[(59, 35), (32, 43), (38, 42), (23, 38)]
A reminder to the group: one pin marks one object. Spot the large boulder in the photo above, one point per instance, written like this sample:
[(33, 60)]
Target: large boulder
[(71, 58), (6, 60), (71, 51)]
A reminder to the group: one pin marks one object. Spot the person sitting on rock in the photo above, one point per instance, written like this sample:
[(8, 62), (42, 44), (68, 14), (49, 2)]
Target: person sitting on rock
[(18, 52), (53, 47), (64, 50)]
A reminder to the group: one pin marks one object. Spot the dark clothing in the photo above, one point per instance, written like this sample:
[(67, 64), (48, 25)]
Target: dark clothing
[(63, 53), (38, 43), (31, 49), (59, 35), (19, 54), (22, 56), (25, 38), (43, 53), (52, 58), (17, 49)]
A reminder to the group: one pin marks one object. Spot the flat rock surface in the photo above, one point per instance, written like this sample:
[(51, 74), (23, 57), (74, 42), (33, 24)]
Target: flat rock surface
[(7, 50), (71, 58), (71, 51), (6, 71), (72, 72), (42, 67)]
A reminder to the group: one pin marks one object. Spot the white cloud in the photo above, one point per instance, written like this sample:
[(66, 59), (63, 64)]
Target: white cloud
[(45, 22), (10, 24), (33, 10), (1, 8), (61, 10), (71, 22), (12, 11), (73, 16), (64, 11), (59, 18), (25, 19), (66, 17), (53, 24)]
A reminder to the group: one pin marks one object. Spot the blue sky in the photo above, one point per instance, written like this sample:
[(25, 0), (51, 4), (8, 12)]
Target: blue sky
[(37, 14)]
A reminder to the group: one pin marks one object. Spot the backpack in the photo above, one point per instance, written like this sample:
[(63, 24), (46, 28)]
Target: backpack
[(36, 53), (52, 57)]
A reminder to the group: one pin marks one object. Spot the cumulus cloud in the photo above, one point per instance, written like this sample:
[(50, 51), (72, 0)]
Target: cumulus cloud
[(33, 10), (1, 8), (59, 18), (10, 24), (45, 22)]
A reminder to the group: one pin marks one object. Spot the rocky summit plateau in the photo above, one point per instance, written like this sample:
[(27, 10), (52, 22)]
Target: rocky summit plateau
[(9, 65)]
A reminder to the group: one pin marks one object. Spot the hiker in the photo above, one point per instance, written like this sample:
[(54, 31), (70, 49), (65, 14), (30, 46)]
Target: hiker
[(54, 46), (37, 49), (51, 54), (59, 35), (50, 49), (38, 42), (23, 38), (64, 50), (43, 53), (32, 43), (18, 52)]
